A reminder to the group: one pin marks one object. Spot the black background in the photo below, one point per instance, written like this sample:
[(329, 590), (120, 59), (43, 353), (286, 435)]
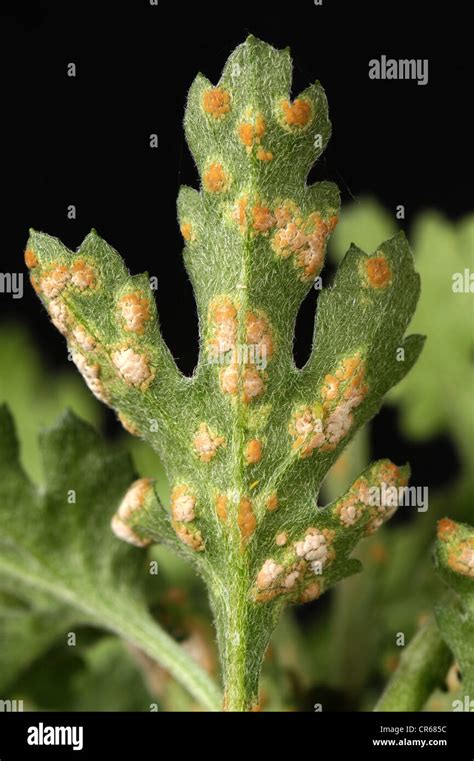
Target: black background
[(85, 140)]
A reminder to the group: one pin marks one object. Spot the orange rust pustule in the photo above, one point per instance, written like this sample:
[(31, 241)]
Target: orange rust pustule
[(31, 259), (263, 218), (272, 502), (216, 102), (378, 272), (82, 275), (223, 309), (461, 558), (215, 179), (298, 113), (193, 540), (246, 519), (186, 231), (259, 333), (303, 238), (239, 212), (264, 155), (446, 529), (135, 312), (311, 592), (267, 595), (221, 507), (260, 126), (223, 325), (253, 451), (251, 132), (389, 472), (246, 134), (54, 280)]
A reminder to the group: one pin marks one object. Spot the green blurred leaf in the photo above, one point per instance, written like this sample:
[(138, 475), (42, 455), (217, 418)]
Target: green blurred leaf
[(437, 396), (110, 680), (57, 542), (365, 223), (36, 395), (28, 627)]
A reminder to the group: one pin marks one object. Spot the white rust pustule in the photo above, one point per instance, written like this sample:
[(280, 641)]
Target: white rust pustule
[(183, 503), (134, 311), (206, 443), (92, 376), (132, 505), (325, 423), (132, 366), (184, 513)]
